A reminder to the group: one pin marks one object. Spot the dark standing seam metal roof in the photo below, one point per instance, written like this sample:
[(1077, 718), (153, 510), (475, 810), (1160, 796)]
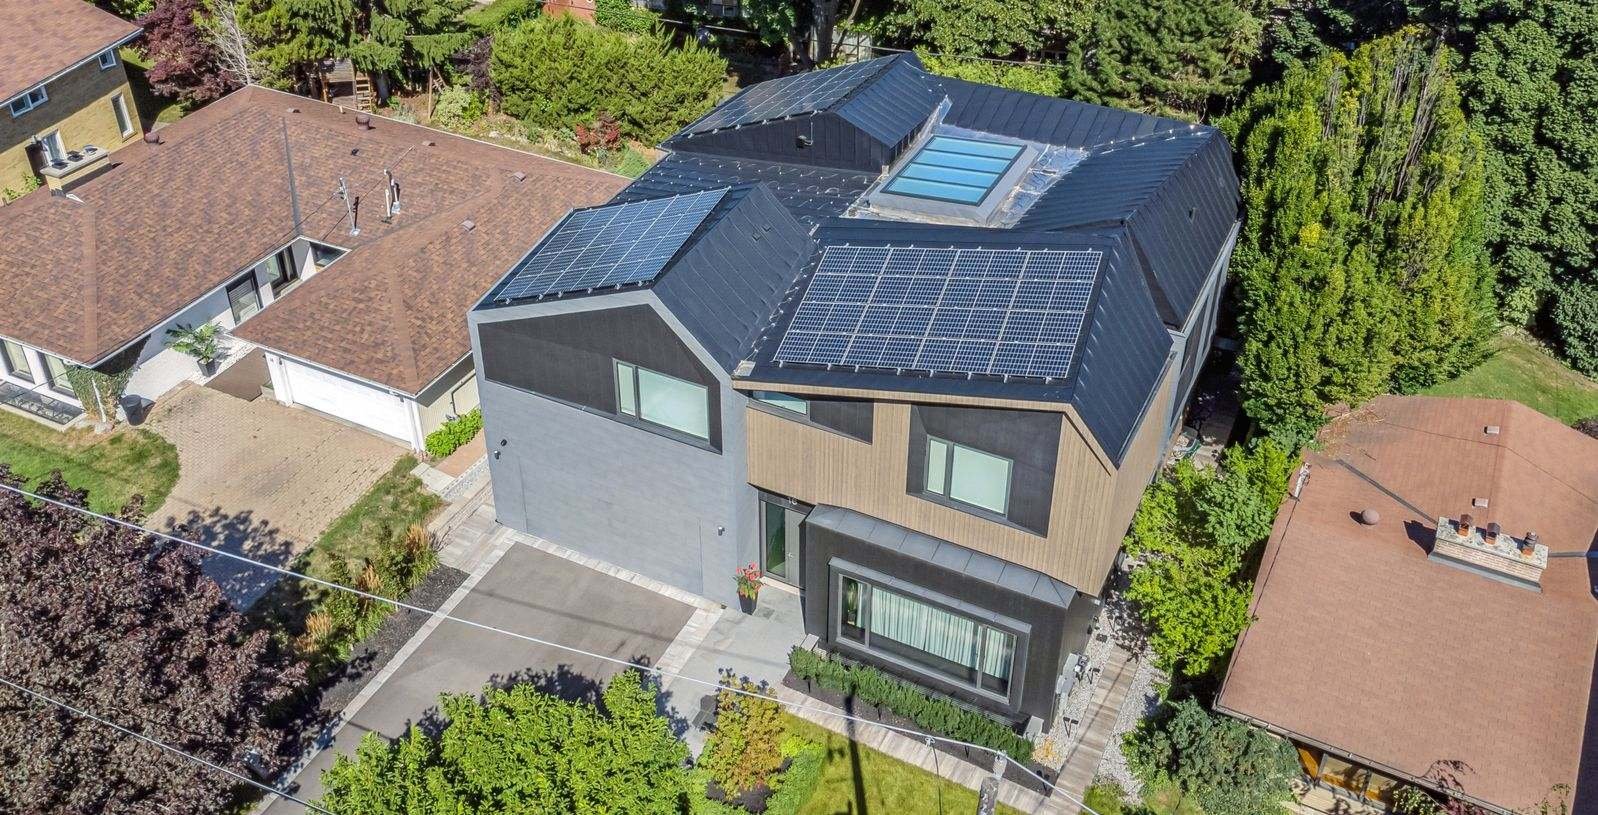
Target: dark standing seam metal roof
[(1045, 119), (728, 280), (1176, 193), (943, 554), (895, 103), (1120, 354), (811, 193)]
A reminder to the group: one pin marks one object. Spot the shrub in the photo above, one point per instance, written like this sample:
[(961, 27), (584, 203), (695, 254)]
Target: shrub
[(456, 432), (1575, 316), (621, 15), (500, 14), (632, 163), (457, 106), (746, 749), (1105, 798), (409, 557), (1589, 426), (603, 134), (556, 72), (1228, 766), (931, 713), (793, 787)]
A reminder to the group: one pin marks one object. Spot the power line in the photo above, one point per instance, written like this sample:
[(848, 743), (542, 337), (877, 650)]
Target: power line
[(161, 744), (400, 604)]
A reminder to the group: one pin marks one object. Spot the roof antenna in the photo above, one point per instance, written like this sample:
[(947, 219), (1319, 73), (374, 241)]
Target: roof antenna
[(392, 194), (352, 206)]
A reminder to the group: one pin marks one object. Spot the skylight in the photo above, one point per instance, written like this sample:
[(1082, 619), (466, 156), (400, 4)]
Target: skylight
[(956, 170)]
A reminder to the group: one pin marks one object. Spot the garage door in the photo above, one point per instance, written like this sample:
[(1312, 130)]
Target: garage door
[(348, 399)]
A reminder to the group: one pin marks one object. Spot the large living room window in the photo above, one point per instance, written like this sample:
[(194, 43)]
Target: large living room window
[(968, 475), (659, 399), (943, 642)]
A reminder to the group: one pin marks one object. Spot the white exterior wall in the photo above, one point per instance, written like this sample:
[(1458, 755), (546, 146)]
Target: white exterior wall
[(41, 374), (301, 383), (162, 369)]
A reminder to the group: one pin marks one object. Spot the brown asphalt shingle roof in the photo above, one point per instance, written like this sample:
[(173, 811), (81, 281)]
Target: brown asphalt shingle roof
[(1364, 646), (85, 274), (40, 38)]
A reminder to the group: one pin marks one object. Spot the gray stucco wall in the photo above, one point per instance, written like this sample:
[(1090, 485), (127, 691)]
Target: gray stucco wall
[(664, 508)]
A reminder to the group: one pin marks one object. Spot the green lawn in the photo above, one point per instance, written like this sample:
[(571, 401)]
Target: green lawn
[(396, 501), (857, 780), (112, 467), (1523, 371), (1107, 798)]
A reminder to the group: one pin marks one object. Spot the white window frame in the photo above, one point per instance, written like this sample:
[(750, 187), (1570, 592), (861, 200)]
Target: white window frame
[(55, 149), (119, 109), (107, 59), (943, 486), (29, 100)]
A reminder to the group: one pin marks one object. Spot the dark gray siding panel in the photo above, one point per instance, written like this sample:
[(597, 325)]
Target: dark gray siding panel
[(1030, 439), (851, 417), (1050, 627), (569, 356), (726, 283)]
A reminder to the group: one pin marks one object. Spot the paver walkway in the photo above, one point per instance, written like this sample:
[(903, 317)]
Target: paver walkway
[(1086, 746), (260, 478)]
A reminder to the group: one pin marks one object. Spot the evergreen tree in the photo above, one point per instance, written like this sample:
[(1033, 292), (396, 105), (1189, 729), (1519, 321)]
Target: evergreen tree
[(520, 750), (1361, 264), (1228, 767), (130, 629), (1531, 84), (386, 38), (1170, 57), (997, 28)]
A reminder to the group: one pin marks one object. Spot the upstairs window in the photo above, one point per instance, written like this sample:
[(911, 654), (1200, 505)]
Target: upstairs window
[(28, 101), (660, 399), (108, 60), (784, 401), (968, 475)]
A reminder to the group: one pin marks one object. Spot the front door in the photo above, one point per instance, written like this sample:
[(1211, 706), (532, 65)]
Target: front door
[(780, 519)]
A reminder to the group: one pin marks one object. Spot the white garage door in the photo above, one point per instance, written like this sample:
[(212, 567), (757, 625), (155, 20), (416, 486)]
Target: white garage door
[(348, 399)]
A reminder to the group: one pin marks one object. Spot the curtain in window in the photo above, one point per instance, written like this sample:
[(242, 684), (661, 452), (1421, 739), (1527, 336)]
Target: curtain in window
[(997, 648), (922, 627)]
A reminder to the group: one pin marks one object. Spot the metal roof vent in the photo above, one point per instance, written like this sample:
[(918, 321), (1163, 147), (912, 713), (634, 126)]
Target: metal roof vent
[(1491, 430), (468, 224), (1369, 516)]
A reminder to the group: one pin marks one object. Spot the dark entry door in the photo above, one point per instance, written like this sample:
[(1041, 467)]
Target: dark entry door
[(780, 520)]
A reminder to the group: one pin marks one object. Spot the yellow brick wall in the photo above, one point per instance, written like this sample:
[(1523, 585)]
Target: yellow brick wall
[(80, 106)]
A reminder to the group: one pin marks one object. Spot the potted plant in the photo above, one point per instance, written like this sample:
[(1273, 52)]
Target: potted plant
[(201, 342), (748, 587)]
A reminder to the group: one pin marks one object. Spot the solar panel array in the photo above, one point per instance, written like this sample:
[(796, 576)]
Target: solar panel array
[(789, 96), (1013, 312), (610, 246)]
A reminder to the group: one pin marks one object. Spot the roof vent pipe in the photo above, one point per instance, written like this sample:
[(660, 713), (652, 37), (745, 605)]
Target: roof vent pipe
[(1369, 517), (363, 121), (152, 137)]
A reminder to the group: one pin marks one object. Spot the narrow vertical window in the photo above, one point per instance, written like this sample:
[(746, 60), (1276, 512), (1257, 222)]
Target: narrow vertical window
[(626, 389), (119, 106), (937, 465)]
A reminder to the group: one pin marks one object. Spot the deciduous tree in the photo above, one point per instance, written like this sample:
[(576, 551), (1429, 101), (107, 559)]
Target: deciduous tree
[(522, 750), (130, 629), (183, 62)]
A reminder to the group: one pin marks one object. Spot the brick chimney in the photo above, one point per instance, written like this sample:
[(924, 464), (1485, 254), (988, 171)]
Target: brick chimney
[(1490, 553)]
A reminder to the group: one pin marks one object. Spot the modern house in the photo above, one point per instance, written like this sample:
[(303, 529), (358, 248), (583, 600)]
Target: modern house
[(66, 94), (1426, 609), (340, 251), (914, 345)]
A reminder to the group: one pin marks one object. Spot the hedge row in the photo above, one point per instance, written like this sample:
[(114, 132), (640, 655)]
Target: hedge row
[(793, 786), (931, 713), (452, 434)]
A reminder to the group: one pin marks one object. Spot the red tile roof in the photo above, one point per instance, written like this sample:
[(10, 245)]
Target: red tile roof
[(41, 38), (1364, 646), (97, 269)]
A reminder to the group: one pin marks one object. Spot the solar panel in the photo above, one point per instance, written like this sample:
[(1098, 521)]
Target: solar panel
[(789, 96), (1007, 312), (961, 171), (609, 246)]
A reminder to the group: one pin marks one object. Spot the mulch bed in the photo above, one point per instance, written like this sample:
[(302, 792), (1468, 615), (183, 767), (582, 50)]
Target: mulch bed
[(872, 713), (322, 703)]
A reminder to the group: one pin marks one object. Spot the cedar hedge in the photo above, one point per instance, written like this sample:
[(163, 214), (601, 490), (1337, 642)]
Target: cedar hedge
[(932, 713)]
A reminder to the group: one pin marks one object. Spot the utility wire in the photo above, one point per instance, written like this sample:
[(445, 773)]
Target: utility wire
[(400, 604), (163, 745)]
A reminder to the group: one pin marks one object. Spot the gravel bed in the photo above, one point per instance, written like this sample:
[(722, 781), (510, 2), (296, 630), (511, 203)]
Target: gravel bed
[(1141, 700)]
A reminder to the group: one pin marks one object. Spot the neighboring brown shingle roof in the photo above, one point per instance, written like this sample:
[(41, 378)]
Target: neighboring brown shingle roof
[(172, 222), (40, 38), (1366, 647)]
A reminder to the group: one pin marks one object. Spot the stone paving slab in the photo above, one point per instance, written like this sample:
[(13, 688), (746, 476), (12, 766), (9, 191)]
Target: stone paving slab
[(259, 478)]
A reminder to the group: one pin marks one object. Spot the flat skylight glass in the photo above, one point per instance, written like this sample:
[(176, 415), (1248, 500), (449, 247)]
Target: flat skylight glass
[(961, 171)]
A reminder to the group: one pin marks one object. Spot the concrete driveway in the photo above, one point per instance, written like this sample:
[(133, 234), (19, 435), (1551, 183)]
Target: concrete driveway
[(259, 478), (528, 591)]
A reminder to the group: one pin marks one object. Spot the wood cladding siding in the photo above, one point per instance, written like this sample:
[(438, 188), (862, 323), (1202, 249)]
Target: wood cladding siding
[(1092, 503)]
